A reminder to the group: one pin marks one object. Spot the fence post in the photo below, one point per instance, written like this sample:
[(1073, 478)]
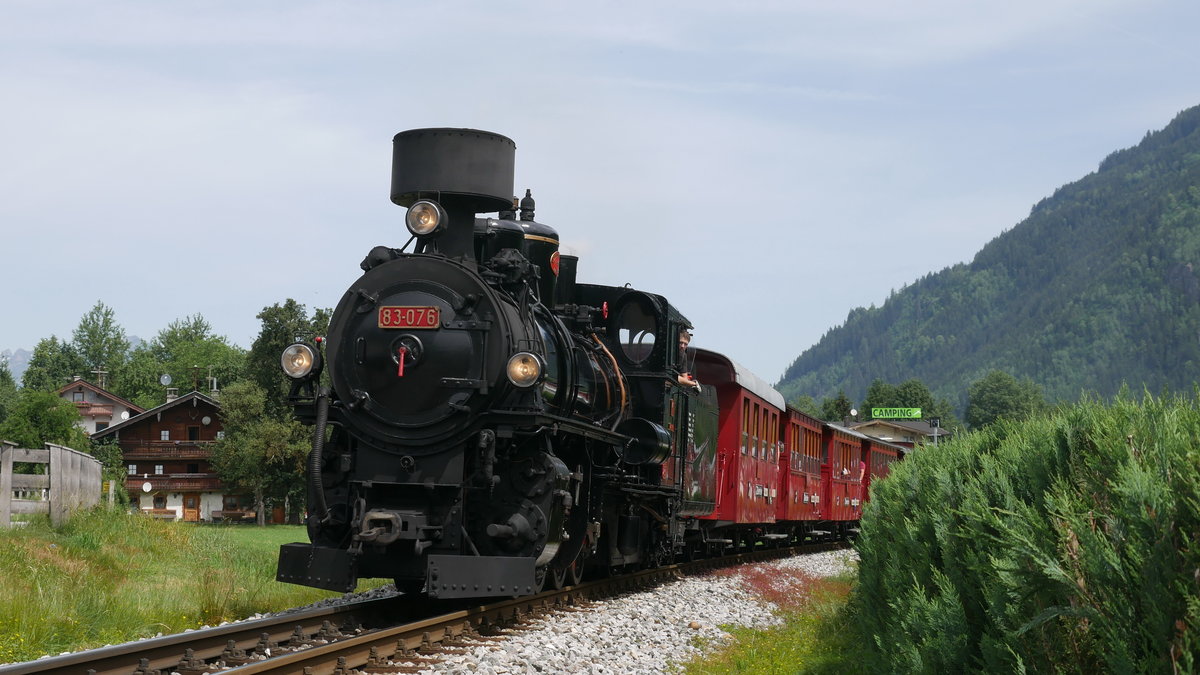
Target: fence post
[(6, 469), (56, 471)]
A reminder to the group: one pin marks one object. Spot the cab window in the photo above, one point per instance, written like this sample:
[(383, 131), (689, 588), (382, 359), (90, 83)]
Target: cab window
[(637, 326)]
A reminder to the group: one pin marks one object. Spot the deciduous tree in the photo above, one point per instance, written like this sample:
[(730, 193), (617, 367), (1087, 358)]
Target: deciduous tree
[(836, 409), (911, 393), (259, 453), (41, 417), (188, 351), (52, 365), (101, 344), (8, 390), (999, 394)]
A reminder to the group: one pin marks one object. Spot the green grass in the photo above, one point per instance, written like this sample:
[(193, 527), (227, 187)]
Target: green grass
[(107, 577), (815, 637)]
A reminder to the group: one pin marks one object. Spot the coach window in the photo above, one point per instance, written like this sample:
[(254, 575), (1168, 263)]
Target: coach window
[(745, 425), (754, 430), (774, 448)]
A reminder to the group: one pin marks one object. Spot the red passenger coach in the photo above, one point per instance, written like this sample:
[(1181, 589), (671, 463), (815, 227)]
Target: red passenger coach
[(880, 457), (800, 468), (841, 474), (748, 445)]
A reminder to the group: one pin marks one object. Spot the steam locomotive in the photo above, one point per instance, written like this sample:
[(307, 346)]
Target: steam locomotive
[(486, 425)]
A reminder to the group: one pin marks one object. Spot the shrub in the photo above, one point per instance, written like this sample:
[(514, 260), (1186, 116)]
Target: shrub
[(1064, 543)]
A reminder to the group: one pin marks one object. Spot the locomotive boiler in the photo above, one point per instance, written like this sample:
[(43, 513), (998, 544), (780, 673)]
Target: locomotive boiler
[(484, 425)]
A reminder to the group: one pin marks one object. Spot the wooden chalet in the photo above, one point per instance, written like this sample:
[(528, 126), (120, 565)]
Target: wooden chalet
[(98, 408), (167, 452), (906, 433)]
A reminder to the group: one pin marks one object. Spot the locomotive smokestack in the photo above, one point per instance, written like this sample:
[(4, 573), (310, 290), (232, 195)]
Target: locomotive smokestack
[(466, 171)]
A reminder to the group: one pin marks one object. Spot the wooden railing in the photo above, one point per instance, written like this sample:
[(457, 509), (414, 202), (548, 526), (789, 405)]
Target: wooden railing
[(173, 482), (170, 450), (71, 481)]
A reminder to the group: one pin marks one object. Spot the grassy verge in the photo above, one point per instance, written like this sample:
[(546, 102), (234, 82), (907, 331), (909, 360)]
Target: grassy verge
[(107, 577), (815, 636)]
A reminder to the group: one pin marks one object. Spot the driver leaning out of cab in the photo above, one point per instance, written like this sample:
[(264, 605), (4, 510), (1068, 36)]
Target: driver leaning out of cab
[(685, 376)]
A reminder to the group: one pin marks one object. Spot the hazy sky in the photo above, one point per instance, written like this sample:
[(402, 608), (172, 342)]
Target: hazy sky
[(767, 166)]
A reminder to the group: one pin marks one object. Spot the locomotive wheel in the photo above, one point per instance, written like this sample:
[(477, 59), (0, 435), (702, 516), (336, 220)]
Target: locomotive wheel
[(539, 578), (574, 572), (558, 577)]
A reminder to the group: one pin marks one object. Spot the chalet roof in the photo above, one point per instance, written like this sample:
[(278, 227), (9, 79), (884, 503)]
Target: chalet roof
[(99, 392), (191, 398)]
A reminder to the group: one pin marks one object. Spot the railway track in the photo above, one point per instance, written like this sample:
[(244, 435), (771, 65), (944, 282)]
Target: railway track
[(364, 636)]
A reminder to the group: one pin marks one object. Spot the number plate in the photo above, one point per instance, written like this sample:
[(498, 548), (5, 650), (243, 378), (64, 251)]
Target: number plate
[(415, 318)]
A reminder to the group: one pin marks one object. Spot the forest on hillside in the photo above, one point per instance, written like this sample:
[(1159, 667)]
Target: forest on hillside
[(1097, 288)]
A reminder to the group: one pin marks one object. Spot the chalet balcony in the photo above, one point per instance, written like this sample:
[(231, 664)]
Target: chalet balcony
[(169, 450), (87, 409), (174, 482)]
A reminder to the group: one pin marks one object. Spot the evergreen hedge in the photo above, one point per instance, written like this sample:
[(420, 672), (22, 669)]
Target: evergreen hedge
[(1065, 543)]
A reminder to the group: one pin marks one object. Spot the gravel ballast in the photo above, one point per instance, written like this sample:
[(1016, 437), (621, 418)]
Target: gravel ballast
[(640, 633)]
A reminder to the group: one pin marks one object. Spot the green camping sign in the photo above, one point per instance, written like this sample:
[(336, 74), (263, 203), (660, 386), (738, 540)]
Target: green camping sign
[(896, 413)]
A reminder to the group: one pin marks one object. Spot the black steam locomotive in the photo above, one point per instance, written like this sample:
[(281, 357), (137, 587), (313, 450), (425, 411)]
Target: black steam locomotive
[(489, 426)]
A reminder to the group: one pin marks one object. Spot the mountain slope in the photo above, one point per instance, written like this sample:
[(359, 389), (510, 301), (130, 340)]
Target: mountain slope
[(1099, 286)]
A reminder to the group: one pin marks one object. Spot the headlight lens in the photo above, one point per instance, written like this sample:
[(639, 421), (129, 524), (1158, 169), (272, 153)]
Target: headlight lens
[(525, 369), (425, 218), (299, 360)]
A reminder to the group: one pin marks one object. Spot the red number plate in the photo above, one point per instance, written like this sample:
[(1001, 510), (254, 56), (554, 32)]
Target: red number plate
[(418, 318)]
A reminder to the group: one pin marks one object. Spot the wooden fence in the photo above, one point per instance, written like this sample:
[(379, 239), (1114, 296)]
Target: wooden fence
[(71, 481)]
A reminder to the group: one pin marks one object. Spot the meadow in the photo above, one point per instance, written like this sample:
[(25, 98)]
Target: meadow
[(107, 577)]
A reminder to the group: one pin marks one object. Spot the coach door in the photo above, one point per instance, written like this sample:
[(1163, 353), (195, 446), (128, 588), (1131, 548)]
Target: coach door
[(191, 507)]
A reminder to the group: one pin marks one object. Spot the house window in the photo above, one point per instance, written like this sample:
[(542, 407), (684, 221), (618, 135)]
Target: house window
[(158, 469), (132, 468), (193, 433), (193, 468), (164, 435), (101, 426), (160, 501), (77, 396)]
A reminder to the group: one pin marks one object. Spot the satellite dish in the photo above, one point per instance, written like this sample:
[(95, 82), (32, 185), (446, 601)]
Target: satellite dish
[(124, 414), (146, 487), (206, 420), (165, 380), (853, 412)]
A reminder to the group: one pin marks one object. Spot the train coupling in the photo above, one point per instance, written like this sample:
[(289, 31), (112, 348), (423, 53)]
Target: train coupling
[(384, 527)]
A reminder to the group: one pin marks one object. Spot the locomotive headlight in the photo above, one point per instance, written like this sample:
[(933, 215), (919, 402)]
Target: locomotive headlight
[(300, 361), (525, 369), (425, 218)]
